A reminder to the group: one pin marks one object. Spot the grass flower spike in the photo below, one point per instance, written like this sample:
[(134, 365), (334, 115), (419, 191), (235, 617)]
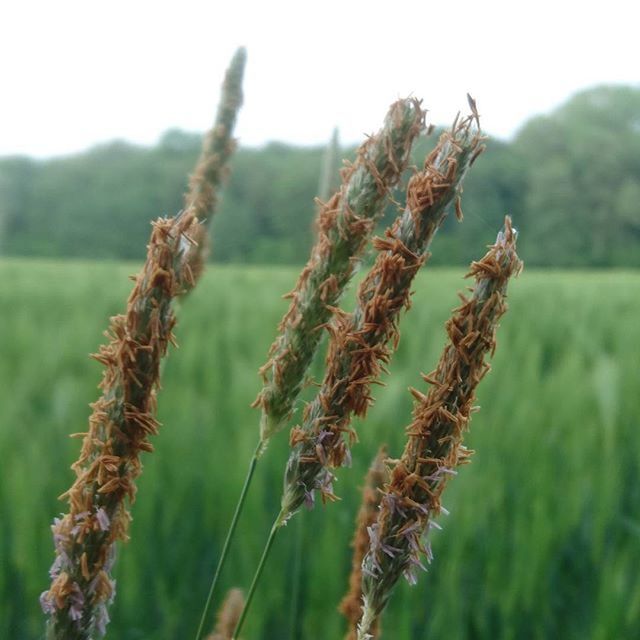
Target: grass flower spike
[(351, 605), (361, 342), (345, 223), (330, 172), (434, 447), (122, 421), (211, 168), (228, 616)]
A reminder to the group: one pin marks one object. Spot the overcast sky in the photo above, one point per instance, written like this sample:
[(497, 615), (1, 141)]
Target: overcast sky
[(77, 73)]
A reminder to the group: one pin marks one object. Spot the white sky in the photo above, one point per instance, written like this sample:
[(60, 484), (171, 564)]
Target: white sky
[(73, 74)]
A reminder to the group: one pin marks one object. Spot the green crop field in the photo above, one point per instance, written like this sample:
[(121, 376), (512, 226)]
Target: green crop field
[(543, 538)]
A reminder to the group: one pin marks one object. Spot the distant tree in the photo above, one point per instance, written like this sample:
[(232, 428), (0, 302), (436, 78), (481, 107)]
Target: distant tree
[(16, 181), (581, 200), (268, 206), (571, 181)]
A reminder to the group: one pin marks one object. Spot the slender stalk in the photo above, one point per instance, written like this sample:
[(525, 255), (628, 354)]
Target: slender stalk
[(229, 538), (330, 174), (256, 578), (296, 572)]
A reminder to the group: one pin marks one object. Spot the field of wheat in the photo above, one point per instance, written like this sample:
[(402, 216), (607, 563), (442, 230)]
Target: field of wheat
[(543, 535)]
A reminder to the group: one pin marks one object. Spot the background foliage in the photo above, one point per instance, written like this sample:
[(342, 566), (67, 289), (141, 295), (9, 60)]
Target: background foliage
[(571, 179), (543, 540)]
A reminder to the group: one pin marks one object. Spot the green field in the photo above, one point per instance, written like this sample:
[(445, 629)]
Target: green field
[(543, 540)]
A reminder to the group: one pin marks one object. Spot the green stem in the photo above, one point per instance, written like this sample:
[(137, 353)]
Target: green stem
[(230, 533), (267, 547), (297, 579)]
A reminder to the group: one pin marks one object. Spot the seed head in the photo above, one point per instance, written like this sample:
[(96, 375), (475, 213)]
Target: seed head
[(228, 616), (434, 446), (344, 223), (361, 343), (122, 421), (211, 169), (351, 605)]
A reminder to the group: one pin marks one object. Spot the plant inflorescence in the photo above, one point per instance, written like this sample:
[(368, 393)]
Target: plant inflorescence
[(401, 497)]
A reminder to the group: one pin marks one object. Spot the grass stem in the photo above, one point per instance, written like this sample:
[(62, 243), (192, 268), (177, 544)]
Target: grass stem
[(229, 538), (296, 572), (256, 578)]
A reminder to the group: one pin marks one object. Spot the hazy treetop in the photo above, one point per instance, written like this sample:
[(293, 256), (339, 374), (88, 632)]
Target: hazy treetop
[(571, 180)]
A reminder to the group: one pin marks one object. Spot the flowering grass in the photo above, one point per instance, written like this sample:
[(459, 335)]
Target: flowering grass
[(227, 616), (122, 421), (351, 604), (362, 343), (212, 168), (345, 224), (412, 496)]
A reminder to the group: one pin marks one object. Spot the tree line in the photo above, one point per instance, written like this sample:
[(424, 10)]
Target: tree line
[(570, 179)]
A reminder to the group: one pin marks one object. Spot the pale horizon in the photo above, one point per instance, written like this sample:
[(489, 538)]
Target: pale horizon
[(259, 144)]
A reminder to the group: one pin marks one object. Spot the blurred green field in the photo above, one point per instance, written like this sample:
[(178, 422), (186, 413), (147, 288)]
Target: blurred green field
[(543, 540)]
